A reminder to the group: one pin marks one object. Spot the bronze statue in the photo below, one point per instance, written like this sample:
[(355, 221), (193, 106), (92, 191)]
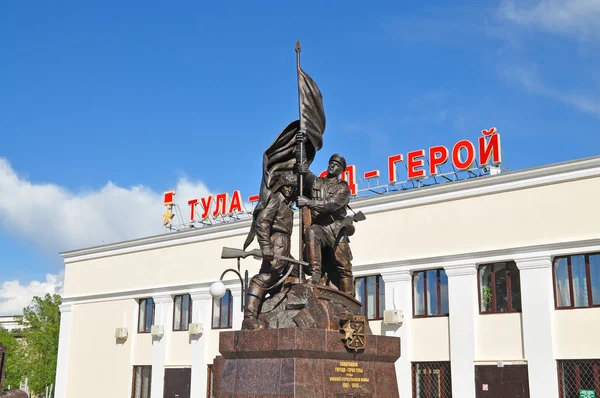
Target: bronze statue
[(327, 238), (273, 228), (324, 225)]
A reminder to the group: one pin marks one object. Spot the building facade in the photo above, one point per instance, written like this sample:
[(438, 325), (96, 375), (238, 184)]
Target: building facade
[(497, 277)]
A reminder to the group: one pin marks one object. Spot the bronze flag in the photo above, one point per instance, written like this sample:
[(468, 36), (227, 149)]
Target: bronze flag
[(281, 156)]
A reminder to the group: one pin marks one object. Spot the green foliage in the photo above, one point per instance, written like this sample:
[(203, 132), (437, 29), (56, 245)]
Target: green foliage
[(14, 359), (41, 320), (487, 296)]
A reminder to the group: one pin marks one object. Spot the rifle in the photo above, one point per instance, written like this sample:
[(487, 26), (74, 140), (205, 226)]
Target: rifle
[(229, 252), (356, 217)]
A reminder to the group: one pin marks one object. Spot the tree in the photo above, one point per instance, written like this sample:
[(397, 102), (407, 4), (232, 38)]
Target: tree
[(14, 359), (41, 321)]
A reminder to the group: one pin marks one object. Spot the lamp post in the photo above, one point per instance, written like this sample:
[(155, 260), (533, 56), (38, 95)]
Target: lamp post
[(218, 290)]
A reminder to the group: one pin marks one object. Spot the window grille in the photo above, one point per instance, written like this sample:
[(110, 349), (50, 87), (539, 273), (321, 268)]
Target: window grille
[(142, 380), (431, 380), (577, 375)]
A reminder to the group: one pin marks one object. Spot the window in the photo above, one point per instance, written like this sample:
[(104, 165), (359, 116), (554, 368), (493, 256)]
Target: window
[(182, 312), (431, 380), (577, 281), (430, 293), (142, 380), (222, 311), (370, 292), (577, 375), (146, 315), (499, 288)]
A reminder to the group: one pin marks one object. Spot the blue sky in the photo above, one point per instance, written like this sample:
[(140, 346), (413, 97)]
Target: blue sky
[(106, 105)]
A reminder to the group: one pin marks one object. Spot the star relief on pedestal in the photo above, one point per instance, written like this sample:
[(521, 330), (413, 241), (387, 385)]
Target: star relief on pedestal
[(348, 330)]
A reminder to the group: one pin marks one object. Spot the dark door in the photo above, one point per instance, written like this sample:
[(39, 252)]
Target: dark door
[(509, 381), (177, 383)]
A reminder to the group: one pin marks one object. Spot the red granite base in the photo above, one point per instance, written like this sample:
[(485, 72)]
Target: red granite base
[(303, 363)]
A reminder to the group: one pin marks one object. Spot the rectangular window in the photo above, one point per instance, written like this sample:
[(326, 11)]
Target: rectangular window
[(146, 315), (499, 288), (577, 375), (182, 312), (370, 291), (577, 281), (222, 311), (142, 380), (431, 380), (430, 293)]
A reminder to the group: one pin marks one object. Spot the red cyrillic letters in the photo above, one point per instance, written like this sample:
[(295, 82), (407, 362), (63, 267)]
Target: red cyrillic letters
[(192, 204), (462, 156), (220, 204), (392, 160), (413, 162), (206, 202), (349, 175), (487, 148), (236, 202), (457, 158), (438, 155)]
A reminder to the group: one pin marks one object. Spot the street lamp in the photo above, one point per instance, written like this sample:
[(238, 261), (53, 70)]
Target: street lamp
[(218, 290)]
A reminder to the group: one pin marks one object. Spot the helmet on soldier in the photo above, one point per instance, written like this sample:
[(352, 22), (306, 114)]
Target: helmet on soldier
[(338, 158)]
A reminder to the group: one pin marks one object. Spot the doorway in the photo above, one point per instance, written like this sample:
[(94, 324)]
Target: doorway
[(177, 383), (501, 382)]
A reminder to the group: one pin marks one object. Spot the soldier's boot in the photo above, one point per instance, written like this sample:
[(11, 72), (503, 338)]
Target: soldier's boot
[(254, 296), (314, 259), (347, 286)]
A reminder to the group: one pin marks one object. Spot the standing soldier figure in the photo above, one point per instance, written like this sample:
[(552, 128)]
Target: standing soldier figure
[(273, 227), (330, 227)]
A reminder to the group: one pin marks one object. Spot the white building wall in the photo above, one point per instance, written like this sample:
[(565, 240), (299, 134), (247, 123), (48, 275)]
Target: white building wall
[(575, 333), (499, 337), (430, 339), (455, 227), (94, 354)]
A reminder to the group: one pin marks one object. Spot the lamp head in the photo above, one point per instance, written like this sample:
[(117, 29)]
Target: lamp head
[(217, 289)]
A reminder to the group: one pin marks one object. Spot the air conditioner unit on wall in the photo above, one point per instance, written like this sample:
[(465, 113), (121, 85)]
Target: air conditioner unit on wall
[(157, 330), (196, 329), (393, 317), (121, 333)]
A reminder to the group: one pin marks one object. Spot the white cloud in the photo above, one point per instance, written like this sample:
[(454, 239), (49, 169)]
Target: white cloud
[(14, 296), (577, 18), (530, 78), (55, 219)]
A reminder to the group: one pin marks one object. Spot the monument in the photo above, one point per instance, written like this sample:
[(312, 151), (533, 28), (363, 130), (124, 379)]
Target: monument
[(303, 333)]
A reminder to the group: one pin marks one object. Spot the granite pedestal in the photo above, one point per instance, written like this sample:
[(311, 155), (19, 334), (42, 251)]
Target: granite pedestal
[(297, 362)]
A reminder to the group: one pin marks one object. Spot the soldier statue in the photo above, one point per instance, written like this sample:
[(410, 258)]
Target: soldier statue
[(326, 239), (273, 228)]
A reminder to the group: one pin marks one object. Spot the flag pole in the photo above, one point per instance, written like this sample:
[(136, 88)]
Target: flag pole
[(299, 162)]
